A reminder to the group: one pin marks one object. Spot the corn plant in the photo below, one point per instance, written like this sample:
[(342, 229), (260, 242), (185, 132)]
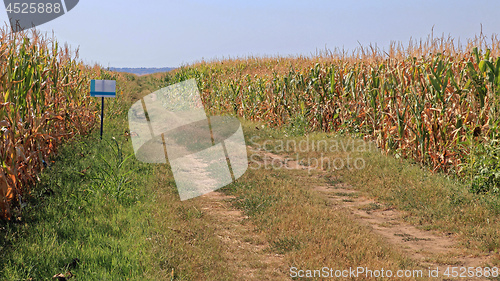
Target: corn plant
[(426, 101), (43, 101)]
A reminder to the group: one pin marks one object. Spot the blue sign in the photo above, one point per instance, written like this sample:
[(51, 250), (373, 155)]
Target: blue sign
[(103, 88)]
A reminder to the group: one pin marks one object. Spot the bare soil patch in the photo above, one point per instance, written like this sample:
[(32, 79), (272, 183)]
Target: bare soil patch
[(429, 248), (246, 249)]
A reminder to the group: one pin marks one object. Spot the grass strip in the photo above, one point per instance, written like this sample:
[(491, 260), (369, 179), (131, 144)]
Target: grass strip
[(98, 213)]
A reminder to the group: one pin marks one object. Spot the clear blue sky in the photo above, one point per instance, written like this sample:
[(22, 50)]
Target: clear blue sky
[(171, 33)]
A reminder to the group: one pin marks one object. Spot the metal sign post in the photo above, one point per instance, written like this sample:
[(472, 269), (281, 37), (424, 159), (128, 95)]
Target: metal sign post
[(102, 114), (103, 89)]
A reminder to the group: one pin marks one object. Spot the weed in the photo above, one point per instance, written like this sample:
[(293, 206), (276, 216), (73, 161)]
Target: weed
[(113, 178)]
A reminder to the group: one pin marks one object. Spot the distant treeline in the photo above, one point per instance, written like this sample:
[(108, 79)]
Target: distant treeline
[(141, 70)]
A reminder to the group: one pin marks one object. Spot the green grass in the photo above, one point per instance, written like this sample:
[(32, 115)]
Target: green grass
[(183, 244), (76, 213), (431, 201), (300, 223), (123, 219), (102, 207)]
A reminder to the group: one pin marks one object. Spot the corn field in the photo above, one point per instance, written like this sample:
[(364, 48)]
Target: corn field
[(43, 101), (429, 101)]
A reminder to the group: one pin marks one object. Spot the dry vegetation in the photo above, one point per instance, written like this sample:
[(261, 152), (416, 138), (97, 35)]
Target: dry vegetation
[(43, 100), (432, 101)]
